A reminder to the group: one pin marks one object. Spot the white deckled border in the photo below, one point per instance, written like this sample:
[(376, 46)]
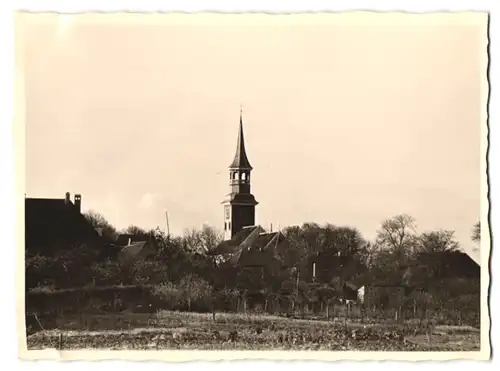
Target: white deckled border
[(182, 356)]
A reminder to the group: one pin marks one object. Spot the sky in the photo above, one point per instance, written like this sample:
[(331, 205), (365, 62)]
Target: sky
[(348, 119)]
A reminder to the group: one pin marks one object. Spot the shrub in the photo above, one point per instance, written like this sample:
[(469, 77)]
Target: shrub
[(168, 295), (197, 291), (226, 299)]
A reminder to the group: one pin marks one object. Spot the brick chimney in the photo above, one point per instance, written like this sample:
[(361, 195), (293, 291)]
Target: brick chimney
[(67, 199), (78, 202)]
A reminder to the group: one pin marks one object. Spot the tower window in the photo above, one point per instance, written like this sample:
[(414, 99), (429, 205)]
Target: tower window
[(243, 176), (225, 226), (229, 225)]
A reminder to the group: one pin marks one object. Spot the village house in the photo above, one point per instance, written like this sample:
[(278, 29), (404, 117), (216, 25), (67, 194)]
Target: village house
[(253, 248), (136, 251), (55, 224)]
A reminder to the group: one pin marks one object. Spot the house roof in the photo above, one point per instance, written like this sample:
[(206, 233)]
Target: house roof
[(240, 160), (252, 246), (453, 263), (261, 251), (232, 246), (51, 224), (123, 239), (136, 250), (475, 255)]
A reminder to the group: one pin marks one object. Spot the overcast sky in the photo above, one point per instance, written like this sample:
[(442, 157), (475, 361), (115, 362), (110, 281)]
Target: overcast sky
[(348, 119)]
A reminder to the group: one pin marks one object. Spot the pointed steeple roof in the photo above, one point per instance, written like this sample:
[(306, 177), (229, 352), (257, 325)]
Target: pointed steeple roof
[(240, 158)]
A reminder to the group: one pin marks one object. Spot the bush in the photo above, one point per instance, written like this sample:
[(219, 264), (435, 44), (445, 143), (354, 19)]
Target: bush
[(226, 300), (167, 295), (106, 273), (192, 294), (149, 272), (196, 292), (105, 298)]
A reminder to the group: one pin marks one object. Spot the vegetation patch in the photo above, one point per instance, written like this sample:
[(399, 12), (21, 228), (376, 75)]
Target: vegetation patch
[(177, 330)]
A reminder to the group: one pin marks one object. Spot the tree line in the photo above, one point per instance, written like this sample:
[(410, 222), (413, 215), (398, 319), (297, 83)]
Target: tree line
[(183, 271)]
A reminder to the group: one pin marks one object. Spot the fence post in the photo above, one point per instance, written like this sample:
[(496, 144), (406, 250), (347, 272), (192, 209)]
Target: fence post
[(60, 341)]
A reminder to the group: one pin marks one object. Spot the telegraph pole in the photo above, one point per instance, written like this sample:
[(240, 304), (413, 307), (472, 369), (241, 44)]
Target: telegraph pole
[(168, 226)]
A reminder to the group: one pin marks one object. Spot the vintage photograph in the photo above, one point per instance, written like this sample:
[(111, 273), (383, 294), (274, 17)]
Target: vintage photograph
[(255, 182)]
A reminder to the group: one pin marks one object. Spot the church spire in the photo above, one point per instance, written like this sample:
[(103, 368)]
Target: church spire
[(240, 158), (239, 205)]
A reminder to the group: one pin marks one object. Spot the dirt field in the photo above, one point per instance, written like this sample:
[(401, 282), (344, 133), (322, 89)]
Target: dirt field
[(175, 330)]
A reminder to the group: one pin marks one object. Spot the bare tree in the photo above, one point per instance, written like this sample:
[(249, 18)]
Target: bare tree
[(396, 242), (201, 241), (100, 224), (136, 231), (437, 241), (398, 234), (194, 288), (476, 232)]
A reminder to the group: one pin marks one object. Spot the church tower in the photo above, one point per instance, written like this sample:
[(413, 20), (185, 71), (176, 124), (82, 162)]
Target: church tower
[(239, 205)]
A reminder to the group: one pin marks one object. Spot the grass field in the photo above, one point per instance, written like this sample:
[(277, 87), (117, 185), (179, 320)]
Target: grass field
[(229, 331)]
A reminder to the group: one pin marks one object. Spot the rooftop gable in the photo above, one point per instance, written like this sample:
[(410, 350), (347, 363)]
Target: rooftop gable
[(257, 249), (56, 223), (233, 245)]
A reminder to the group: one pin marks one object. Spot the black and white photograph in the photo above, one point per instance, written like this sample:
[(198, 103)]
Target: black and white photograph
[(255, 182)]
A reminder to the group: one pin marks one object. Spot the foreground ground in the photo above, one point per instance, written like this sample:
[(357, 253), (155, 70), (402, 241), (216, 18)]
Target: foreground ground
[(175, 330)]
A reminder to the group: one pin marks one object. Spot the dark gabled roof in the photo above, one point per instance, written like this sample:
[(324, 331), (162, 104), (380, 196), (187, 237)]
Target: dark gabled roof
[(136, 250), (123, 239), (232, 246), (474, 255), (53, 224), (240, 158), (262, 251), (452, 263), (251, 247), (263, 240)]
